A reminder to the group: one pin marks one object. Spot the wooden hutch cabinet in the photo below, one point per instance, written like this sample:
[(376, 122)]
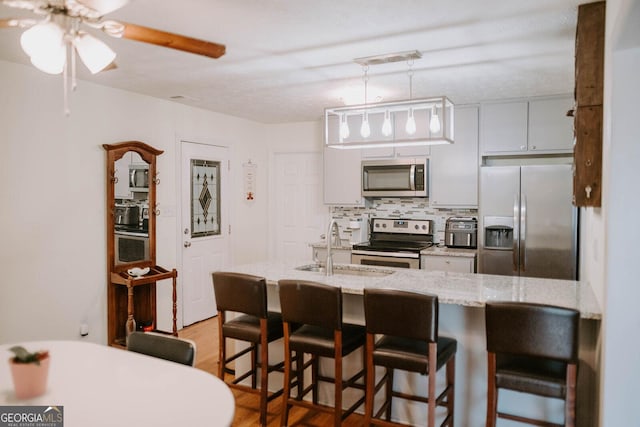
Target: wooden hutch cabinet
[(131, 241)]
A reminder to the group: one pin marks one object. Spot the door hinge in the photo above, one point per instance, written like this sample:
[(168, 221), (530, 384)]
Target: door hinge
[(228, 164), (229, 228)]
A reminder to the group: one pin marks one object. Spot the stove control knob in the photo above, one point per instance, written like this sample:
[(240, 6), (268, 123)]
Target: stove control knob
[(377, 225), (417, 227), (384, 225), (424, 227)]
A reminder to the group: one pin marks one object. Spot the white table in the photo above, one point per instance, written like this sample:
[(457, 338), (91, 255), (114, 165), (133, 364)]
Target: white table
[(104, 386)]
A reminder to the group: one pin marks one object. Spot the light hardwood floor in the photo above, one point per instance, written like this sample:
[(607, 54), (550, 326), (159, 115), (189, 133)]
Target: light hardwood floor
[(205, 334)]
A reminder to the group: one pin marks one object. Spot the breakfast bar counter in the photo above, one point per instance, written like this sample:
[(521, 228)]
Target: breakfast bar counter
[(462, 297), (470, 290)]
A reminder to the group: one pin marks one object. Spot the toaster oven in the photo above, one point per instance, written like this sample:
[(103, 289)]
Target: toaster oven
[(461, 232)]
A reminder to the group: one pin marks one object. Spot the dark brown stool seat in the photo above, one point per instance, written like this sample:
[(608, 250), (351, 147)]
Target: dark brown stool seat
[(246, 295), (532, 348), (312, 319), (406, 327)]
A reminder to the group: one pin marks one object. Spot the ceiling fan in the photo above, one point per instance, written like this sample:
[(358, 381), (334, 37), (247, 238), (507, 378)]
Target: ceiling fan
[(62, 20), (56, 36)]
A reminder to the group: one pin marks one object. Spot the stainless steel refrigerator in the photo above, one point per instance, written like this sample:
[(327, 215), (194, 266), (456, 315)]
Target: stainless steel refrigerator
[(528, 225)]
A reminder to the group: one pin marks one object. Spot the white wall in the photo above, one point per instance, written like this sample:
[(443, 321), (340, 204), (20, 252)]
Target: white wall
[(620, 373), (52, 215)]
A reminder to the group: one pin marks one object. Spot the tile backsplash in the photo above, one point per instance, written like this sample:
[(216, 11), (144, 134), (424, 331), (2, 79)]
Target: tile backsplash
[(406, 208)]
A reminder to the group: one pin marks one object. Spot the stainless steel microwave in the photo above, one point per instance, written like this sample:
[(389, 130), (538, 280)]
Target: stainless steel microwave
[(395, 178), (139, 177)]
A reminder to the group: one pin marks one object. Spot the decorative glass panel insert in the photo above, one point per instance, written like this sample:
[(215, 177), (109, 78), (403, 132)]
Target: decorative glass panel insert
[(205, 198)]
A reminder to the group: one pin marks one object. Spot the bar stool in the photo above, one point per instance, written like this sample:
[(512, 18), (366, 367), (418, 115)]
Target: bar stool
[(312, 319), (247, 295), (406, 324), (532, 348)]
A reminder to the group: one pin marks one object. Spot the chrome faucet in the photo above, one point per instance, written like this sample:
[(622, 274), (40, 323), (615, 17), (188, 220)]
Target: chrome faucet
[(332, 225)]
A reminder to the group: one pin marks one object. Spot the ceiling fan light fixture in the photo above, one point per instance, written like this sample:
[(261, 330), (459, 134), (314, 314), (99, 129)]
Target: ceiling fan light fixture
[(95, 53), (51, 62), (41, 39)]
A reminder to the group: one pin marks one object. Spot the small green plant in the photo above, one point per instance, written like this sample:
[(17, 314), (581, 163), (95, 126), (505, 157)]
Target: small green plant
[(22, 355)]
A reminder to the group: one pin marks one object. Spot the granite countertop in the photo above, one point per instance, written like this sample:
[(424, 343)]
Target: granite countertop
[(465, 289)]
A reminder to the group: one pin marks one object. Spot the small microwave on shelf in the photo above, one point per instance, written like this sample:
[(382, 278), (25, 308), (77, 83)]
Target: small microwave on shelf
[(131, 247), (395, 178)]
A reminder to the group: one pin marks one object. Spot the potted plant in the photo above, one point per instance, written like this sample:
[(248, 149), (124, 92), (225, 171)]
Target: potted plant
[(29, 371)]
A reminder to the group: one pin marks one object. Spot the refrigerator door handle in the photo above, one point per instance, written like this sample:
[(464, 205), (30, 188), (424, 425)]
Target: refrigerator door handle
[(523, 233), (516, 231)]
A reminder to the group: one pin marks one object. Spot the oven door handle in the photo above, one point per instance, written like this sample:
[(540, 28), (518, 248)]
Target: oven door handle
[(387, 254)]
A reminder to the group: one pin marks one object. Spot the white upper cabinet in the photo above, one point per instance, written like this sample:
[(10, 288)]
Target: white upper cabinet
[(503, 127), (454, 168), (549, 127), (536, 126), (342, 182)]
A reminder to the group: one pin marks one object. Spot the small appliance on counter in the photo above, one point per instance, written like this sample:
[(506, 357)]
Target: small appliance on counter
[(126, 214), (359, 231), (461, 232)]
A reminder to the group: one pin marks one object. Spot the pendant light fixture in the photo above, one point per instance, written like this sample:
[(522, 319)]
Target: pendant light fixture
[(434, 122), (387, 130), (429, 121), (365, 129), (344, 127), (410, 127)]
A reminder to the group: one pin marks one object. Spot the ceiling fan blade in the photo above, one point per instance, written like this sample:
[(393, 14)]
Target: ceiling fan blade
[(103, 6), (174, 41), (17, 23)]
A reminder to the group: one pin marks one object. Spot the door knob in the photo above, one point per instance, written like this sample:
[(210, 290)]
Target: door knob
[(187, 244)]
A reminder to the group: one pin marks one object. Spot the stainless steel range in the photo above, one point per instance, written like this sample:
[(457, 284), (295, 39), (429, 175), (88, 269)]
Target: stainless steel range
[(394, 243)]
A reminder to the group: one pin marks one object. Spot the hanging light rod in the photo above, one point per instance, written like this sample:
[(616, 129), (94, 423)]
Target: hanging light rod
[(389, 57)]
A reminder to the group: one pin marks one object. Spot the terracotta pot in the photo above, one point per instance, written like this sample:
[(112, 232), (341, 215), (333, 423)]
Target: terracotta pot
[(29, 379)]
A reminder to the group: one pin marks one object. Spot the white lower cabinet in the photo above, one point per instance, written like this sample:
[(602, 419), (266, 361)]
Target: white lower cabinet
[(339, 255), (448, 263)]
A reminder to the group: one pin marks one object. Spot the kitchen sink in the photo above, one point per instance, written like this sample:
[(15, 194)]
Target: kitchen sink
[(350, 270)]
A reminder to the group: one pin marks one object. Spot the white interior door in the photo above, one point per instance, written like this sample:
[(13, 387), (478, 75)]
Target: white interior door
[(205, 226), (299, 212)]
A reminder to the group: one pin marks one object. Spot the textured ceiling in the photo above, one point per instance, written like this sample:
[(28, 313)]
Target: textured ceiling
[(287, 60)]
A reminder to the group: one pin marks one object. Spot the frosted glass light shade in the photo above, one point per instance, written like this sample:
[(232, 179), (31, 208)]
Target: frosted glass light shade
[(44, 43), (434, 123), (386, 125), (410, 127), (95, 54), (365, 129), (344, 128)]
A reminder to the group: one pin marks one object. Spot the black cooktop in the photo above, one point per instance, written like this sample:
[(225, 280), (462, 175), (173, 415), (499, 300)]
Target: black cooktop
[(393, 246)]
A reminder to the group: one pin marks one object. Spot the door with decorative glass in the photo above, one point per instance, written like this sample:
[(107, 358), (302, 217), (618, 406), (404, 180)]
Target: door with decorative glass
[(205, 226)]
